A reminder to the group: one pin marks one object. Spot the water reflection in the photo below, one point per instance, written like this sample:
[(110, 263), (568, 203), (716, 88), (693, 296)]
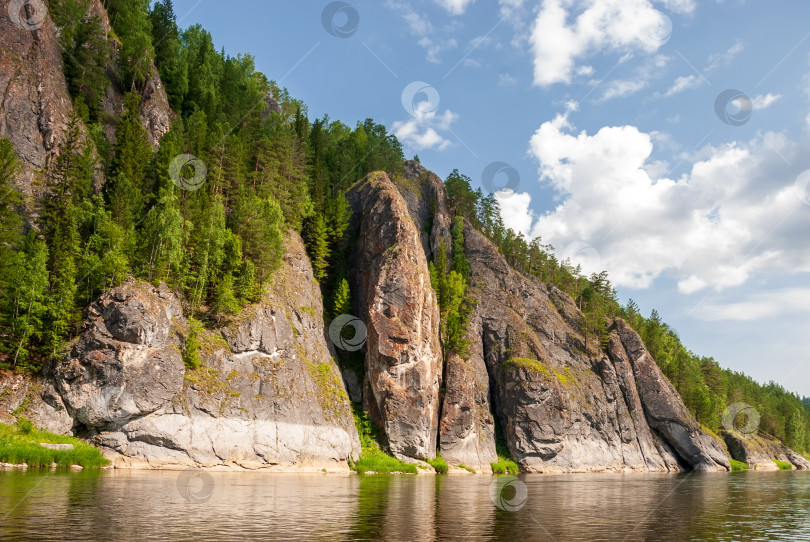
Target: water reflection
[(119, 505)]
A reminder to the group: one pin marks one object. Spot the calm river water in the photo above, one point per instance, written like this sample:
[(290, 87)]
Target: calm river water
[(133, 505)]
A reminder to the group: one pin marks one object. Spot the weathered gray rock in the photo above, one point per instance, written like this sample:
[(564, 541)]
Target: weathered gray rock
[(759, 452), (664, 408), (394, 297), (268, 396), (127, 361)]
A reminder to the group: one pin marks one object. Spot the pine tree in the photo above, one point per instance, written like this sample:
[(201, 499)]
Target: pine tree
[(23, 298), (316, 237), (133, 152), (342, 302), (62, 311), (166, 40)]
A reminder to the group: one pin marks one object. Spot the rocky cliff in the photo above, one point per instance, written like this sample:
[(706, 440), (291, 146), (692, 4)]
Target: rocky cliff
[(268, 394), (35, 104)]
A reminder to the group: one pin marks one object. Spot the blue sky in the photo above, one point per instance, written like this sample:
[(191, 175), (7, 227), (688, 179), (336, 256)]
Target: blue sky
[(627, 152)]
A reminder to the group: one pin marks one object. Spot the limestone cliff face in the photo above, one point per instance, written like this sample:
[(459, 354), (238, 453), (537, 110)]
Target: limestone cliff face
[(268, 394), (393, 296), (34, 100)]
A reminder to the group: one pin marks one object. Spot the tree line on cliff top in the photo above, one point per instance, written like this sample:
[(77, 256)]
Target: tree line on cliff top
[(110, 211)]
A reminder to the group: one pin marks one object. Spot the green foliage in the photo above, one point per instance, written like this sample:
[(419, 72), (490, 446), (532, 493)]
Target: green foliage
[(738, 465), (454, 304), (130, 20), (342, 301), (20, 445), (191, 350), (85, 52), (783, 465), (439, 464), (505, 463), (133, 152), (372, 458)]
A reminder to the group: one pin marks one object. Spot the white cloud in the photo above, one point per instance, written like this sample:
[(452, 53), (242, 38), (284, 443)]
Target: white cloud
[(764, 101), (684, 83), (734, 214), (515, 210), (679, 6), (759, 306), (421, 131), (724, 59), (622, 88), (456, 7), (622, 26)]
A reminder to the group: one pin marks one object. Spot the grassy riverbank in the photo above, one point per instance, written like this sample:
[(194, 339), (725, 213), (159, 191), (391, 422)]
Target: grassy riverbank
[(20, 444)]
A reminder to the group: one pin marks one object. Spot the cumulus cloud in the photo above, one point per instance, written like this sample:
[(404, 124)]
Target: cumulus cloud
[(422, 130), (561, 37), (456, 7), (734, 214)]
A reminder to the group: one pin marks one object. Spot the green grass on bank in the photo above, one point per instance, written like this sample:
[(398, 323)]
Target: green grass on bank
[(19, 444), (372, 458), (738, 465), (505, 463), (439, 464), (783, 465)]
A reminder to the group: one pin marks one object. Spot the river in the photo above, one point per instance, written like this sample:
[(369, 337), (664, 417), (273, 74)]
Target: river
[(165, 505)]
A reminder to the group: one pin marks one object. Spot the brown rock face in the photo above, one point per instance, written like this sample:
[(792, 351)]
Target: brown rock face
[(394, 297), (34, 99)]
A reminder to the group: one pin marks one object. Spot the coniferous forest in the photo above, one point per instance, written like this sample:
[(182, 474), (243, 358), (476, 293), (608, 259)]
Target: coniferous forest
[(107, 211)]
